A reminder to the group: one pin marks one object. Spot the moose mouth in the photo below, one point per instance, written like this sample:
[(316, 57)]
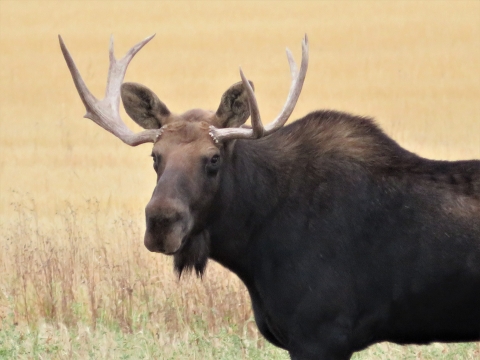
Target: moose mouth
[(183, 243), (167, 240), (166, 246), (189, 248)]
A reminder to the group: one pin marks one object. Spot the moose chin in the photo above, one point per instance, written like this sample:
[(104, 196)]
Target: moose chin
[(342, 237)]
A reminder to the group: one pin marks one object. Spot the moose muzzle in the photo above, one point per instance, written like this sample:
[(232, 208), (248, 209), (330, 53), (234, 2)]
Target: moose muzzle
[(168, 224)]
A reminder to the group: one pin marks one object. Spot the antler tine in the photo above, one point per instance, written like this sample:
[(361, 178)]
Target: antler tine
[(256, 120), (82, 89), (295, 89), (118, 68), (105, 112), (258, 130), (293, 65)]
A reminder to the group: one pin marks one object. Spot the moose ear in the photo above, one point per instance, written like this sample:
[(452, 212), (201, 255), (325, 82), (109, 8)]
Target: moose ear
[(233, 110), (143, 106)]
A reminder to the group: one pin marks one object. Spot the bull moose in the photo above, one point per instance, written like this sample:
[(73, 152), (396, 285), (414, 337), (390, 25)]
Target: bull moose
[(342, 237)]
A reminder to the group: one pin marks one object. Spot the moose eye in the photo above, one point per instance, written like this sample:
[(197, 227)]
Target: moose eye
[(156, 162), (215, 159), (213, 165)]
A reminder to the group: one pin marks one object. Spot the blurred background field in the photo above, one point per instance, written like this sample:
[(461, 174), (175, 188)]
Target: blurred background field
[(75, 279)]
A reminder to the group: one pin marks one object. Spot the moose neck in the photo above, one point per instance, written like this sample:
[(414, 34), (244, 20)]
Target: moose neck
[(250, 189)]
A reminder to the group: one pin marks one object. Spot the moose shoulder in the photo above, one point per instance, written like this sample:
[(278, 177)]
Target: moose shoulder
[(342, 237)]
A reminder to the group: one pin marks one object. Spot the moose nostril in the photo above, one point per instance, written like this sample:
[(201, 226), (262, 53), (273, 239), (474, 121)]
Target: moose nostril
[(162, 221)]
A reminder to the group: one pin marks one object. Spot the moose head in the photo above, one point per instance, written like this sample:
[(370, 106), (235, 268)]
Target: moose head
[(189, 149)]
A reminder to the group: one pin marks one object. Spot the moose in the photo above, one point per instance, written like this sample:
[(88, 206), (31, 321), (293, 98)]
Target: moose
[(342, 237)]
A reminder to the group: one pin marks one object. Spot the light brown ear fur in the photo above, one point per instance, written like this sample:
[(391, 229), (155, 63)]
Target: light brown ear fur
[(143, 106), (233, 110)]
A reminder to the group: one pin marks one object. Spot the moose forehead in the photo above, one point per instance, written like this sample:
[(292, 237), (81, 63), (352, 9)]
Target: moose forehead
[(191, 128)]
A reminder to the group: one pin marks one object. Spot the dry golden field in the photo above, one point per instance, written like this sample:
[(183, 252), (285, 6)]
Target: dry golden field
[(72, 195)]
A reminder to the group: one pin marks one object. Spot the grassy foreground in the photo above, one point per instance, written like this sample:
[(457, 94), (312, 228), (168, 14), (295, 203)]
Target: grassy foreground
[(59, 342), (47, 341)]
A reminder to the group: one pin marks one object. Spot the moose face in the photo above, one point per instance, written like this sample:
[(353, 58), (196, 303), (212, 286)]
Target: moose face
[(188, 165), (187, 160)]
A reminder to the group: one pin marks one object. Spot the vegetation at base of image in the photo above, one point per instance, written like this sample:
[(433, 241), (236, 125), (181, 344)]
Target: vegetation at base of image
[(56, 341)]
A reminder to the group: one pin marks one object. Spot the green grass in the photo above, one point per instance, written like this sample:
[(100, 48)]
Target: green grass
[(56, 341), (49, 341)]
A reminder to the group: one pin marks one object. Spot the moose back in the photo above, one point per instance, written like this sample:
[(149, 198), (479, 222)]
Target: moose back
[(342, 237)]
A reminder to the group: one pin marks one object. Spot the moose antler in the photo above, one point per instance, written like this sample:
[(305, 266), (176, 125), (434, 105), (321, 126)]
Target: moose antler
[(258, 130), (105, 112)]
